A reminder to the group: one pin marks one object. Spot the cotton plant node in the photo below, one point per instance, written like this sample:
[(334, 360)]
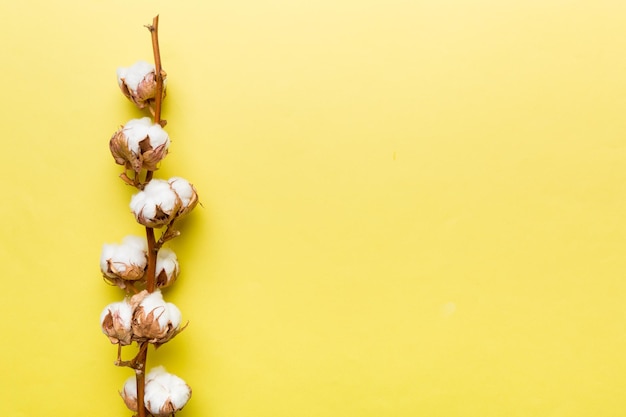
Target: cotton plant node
[(141, 266)]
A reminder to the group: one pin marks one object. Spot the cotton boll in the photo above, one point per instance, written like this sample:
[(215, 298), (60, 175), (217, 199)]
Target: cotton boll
[(154, 304), (129, 393), (166, 268), (153, 318), (125, 262), (139, 144), (134, 75), (138, 83), (165, 393), (148, 139), (136, 130), (156, 205), (116, 322)]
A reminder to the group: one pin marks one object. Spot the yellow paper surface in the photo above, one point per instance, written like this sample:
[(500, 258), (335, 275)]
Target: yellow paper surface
[(409, 208)]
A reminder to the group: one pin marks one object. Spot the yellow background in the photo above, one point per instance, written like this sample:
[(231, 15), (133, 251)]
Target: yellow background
[(410, 208)]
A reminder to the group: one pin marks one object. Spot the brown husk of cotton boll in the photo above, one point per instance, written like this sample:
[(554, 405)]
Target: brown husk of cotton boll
[(113, 331), (145, 325), (151, 156), (123, 275), (122, 153), (147, 158), (156, 205), (163, 280), (129, 272), (160, 219), (146, 91), (167, 409), (120, 283), (114, 326), (169, 336)]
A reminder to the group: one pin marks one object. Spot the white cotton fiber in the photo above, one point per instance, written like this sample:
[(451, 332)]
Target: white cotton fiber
[(154, 372), (154, 302), (108, 251), (158, 136), (184, 190), (157, 193), (133, 75), (129, 393), (135, 242), (167, 262), (174, 315), (137, 130), (116, 322), (160, 192), (165, 393), (132, 252)]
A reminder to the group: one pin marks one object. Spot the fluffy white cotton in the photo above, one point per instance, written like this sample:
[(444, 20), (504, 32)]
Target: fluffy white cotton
[(108, 252), (137, 130), (174, 315), (135, 242), (154, 303), (130, 388), (165, 313), (184, 190), (156, 195), (155, 372), (167, 263), (116, 322), (133, 75), (165, 393), (129, 393), (121, 311), (161, 192), (132, 252)]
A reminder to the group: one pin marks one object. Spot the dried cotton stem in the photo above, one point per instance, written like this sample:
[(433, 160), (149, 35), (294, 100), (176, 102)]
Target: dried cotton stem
[(152, 251)]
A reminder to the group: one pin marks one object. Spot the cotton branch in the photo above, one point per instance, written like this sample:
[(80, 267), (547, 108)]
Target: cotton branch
[(144, 317)]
